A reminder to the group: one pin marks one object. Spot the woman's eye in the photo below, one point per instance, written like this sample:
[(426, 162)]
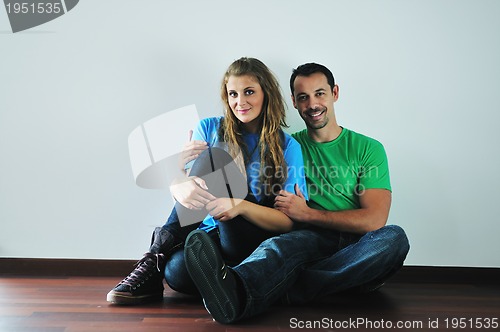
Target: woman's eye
[(249, 92), (232, 94)]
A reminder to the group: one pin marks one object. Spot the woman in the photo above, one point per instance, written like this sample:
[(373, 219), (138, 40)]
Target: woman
[(251, 133)]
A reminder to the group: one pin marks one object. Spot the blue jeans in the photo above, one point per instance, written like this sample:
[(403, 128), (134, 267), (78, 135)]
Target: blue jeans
[(306, 265), (236, 239)]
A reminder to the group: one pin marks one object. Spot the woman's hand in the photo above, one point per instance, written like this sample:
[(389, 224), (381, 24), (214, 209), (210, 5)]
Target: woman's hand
[(192, 193), (224, 209), (191, 150)]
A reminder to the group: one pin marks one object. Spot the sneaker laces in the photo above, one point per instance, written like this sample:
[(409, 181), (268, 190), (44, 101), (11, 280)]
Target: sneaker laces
[(143, 269)]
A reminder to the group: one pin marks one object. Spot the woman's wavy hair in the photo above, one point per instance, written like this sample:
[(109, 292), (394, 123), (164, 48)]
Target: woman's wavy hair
[(271, 121)]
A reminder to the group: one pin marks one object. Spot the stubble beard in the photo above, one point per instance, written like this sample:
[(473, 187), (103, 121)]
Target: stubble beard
[(313, 124)]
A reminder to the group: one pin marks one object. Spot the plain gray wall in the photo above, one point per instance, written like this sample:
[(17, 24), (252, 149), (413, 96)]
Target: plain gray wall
[(420, 76)]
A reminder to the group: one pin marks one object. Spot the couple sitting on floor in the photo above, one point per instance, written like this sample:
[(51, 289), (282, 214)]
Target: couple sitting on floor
[(312, 221)]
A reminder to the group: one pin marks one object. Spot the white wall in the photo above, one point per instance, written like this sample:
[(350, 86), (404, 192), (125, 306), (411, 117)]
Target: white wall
[(420, 76)]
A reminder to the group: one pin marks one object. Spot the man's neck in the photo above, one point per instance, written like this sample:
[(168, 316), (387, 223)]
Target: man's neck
[(325, 134)]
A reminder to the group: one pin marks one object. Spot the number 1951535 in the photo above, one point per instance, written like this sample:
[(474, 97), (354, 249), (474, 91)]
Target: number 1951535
[(32, 8), (472, 323)]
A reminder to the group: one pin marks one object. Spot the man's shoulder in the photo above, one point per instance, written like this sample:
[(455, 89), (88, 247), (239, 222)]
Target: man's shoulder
[(361, 139), (300, 136), (352, 137)]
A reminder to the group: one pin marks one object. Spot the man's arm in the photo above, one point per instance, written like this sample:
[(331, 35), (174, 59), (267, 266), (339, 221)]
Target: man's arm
[(372, 214)]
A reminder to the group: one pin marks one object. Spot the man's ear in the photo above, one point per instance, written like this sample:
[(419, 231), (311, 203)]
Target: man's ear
[(335, 92), (293, 101)]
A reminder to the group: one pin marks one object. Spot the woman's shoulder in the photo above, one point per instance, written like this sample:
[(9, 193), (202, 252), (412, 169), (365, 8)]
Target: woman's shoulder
[(212, 121), (289, 142), (210, 124), (207, 129)]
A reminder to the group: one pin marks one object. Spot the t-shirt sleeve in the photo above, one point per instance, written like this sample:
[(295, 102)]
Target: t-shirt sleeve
[(374, 172), (295, 168)]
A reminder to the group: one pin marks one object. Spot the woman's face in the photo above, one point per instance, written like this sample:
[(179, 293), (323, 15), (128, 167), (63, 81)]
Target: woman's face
[(245, 97)]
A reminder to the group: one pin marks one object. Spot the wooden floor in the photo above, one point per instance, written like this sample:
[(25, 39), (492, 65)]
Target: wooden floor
[(79, 304)]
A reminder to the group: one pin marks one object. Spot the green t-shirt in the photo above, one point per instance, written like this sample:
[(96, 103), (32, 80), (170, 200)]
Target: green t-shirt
[(339, 170)]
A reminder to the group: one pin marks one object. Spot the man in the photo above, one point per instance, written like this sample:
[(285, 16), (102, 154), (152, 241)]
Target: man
[(340, 242)]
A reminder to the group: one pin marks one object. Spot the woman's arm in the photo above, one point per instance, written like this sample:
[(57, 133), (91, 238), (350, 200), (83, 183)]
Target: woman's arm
[(225, 209), (265, 217), (191, 192)]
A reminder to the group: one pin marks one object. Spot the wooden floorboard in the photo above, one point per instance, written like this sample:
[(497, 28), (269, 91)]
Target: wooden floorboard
[(74, 304)]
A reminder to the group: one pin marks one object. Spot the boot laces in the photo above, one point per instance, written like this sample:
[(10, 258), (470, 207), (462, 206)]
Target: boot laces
[(144, 269)]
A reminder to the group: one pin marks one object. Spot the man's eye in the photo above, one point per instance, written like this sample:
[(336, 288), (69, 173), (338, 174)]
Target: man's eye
[(302, 98)]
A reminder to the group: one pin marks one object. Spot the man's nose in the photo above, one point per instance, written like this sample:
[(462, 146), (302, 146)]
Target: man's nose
[(312, 103)]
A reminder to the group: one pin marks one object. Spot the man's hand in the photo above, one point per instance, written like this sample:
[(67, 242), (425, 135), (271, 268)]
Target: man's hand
[(224, 209), (192, 193), (191, 150), (293, 205)]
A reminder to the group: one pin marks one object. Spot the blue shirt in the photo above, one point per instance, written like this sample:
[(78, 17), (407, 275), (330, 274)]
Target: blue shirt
[(207, 130)]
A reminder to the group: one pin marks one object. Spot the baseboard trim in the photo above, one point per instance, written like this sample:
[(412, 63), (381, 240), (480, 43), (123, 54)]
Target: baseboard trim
[(49, 267), (448, 275), (61, 267)]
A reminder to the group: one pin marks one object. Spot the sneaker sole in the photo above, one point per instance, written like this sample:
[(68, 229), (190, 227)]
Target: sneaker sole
[(126, 299), (205, 266)]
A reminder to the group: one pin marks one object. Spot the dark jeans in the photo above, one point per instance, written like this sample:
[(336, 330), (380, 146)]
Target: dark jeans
[(236, 238), (310, 264)]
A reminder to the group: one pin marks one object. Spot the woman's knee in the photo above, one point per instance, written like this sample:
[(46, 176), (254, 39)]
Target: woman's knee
[(177, 276)]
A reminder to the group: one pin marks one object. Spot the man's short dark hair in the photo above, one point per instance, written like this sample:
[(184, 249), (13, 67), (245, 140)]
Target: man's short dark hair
[(311, 68)]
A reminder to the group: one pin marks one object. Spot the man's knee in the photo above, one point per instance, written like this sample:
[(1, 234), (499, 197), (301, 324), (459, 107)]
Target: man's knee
[(396, 241), (398, 236)]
